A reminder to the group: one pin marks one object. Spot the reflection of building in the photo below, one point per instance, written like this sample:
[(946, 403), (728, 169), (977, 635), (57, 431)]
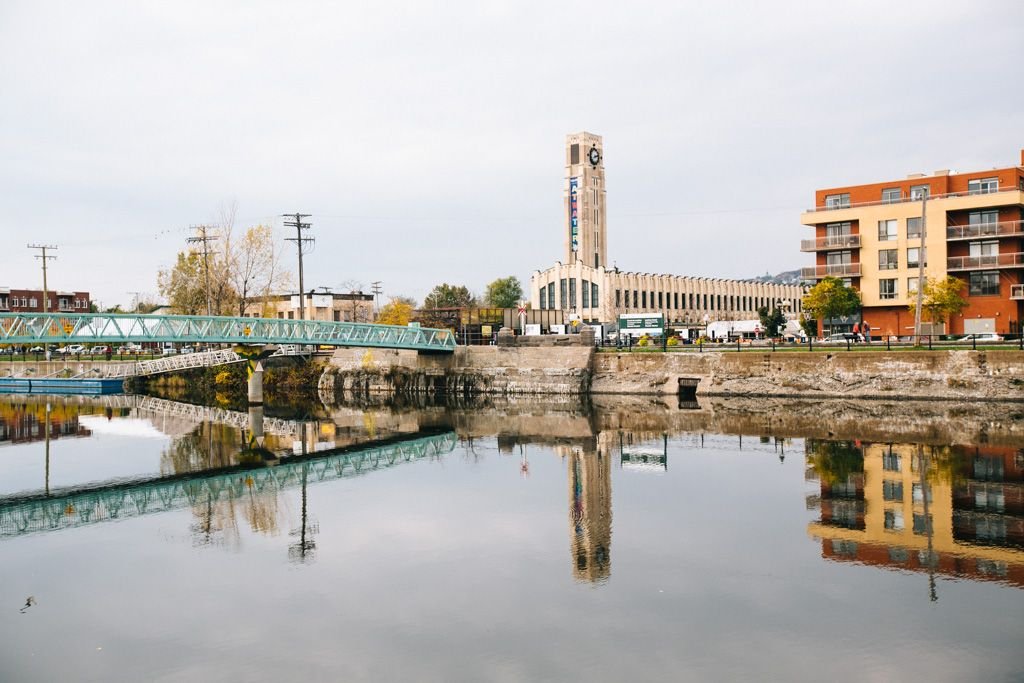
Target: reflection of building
[(348, 307), (955, 510), (586, 285), (590, 513), (24, 422)]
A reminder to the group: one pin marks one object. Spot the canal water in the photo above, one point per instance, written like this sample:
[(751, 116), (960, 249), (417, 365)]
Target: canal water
[(628, 539)]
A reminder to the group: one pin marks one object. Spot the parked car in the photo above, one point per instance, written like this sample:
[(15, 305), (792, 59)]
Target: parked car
[(99, 350), (169, 351), (187, 349), (129, 349), (73, 350), (38, 349), (982, 337), (842, 338)]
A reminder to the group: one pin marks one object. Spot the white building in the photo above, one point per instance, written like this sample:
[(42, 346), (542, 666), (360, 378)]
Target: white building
[(584, 285)]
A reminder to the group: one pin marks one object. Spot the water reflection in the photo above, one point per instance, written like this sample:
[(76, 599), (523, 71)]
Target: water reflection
[(947, 510), (590, 513)]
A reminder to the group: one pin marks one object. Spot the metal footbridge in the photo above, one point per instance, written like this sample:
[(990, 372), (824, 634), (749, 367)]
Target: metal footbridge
[(116, 328), (20, 515)]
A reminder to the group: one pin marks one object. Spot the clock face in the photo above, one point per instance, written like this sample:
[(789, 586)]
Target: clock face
[(594, 156)]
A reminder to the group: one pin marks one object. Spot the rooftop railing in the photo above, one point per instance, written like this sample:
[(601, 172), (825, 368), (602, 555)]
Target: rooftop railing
[(903, 200)]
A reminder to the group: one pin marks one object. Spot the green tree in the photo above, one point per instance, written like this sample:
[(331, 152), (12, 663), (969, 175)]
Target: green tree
[(395, 312), (772, 321), (449, 296), (830, 298), (941, 299), (504, 292)]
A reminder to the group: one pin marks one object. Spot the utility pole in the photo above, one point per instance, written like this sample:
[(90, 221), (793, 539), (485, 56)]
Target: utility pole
[(44, 258), (920, 271), (205, 240), (135, 300), (376, 288), (300, 242)]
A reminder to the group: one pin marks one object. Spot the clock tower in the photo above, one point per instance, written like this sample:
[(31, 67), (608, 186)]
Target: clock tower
[(585, 219)]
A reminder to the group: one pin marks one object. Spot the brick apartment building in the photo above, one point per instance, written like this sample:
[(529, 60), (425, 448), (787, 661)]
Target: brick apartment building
[(31, 301), (870, 237)]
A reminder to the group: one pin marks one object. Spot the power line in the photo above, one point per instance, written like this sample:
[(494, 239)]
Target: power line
[(376, 288), (205, 240), (44, 258), (300, 241)]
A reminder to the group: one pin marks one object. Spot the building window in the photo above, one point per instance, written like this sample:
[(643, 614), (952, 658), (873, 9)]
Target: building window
[(585, 292), (337, 316), (912, 257), (891, 461), (644, 298), (691, 301), (888, 259), (919, 191), (911, 285), (887, 230), (675, 298), (636, 297), (892, 491), (618, 298), (922, 524), (563, 293), (33, 302), (984, 283), (891, 195), (983, 186), (893, 520), (572, 293), (887, 289), (984, 253), (838, 258), (914, 228), (837, 201), (983, 223), (593, 295), (661, 302), (551, 295)]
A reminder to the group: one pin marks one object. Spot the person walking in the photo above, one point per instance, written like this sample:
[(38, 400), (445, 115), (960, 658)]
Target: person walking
[(866, 329)]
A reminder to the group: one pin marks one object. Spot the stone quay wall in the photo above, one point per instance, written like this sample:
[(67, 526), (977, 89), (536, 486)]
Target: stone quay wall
[(576, 370)]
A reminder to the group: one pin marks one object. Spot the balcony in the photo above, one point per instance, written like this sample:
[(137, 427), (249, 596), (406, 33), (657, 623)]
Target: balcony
[(969, 232), (834, 242), (1017, 292), (836, 270), (991, 262)]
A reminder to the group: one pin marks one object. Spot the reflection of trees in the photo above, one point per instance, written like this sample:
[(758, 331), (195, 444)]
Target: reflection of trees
[(216, 521), (948, 465), (835, 461)]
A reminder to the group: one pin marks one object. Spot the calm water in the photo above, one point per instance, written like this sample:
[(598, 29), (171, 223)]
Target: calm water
[(631, 540)]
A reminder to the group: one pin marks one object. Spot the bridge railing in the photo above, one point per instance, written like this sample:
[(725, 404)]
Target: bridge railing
[(63, 328)]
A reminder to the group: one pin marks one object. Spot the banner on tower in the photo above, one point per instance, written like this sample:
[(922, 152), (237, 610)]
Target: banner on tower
[(574, 226)]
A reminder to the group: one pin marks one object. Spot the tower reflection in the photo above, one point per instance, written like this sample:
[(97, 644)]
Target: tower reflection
[(590, 513)]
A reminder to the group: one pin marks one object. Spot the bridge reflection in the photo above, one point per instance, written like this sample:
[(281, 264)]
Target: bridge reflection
[(81, 507)]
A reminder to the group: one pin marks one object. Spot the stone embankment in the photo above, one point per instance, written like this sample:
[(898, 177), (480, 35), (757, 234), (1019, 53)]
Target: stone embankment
[(567, 369)]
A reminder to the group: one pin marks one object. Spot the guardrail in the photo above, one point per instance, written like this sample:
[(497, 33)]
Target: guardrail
[(904, 200), (834, 242), (835, 270), (1000, 229), (1012, 260)]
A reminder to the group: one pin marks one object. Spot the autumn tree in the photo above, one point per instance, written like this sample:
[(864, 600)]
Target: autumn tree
[(941, 299), (183, 285), (253, 265), (504, 292), (398, 311), (449, 296), (830, 298)]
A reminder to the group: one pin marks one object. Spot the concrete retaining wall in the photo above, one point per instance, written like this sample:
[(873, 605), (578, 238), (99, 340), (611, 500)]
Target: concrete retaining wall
[(579, 370), (996, 375)]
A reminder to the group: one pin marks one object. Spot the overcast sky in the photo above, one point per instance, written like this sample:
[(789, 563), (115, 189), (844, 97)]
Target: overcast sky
[(427, 138)]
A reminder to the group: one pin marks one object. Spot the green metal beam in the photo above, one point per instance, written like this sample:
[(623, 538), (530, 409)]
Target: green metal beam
[(58, 328)]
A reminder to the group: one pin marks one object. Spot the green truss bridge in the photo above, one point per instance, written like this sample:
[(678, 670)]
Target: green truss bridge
[(33, 513), (116, 328)]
